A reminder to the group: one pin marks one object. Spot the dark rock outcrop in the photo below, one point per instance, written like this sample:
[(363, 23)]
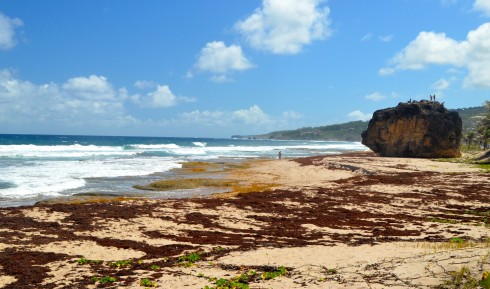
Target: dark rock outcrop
[(483, 158), (422, 129)]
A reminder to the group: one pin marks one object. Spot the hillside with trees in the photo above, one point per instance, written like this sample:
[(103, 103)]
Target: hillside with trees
[(479, 133), (351, 131)]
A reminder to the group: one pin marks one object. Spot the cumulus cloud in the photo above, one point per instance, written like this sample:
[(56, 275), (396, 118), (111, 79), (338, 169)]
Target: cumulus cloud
[(285, 26), (482, 6), (206, 117), (79, 101), (8, 28), (92, 87), (161, 97), (221, 60), (430, 48), (252, 115), (376, 96), (359, 115), (441, 84), (385, 71), (144, 84)]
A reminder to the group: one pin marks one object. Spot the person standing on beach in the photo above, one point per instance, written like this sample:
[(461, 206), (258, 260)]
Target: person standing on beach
[(279, 155)]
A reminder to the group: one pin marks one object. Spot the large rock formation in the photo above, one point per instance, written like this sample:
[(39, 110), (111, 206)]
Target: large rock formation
[(422, 129)]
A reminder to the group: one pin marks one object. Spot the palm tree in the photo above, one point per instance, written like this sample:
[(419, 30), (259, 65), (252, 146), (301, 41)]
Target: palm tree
[(483, 127), (485, 136), (470, 136)]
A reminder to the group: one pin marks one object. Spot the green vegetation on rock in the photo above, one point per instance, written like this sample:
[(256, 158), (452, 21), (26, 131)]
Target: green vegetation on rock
[(350, 131), (185, 184), (478, 133)]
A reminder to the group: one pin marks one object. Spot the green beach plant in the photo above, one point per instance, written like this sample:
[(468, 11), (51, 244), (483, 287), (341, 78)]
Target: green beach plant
[(457, 240), (281, 271), (228, 284), (461, 279), (190, 259), (443, 221), (145, 282), (485, 280), (242, 281), (106, 279), (83, 261), (122, 263)]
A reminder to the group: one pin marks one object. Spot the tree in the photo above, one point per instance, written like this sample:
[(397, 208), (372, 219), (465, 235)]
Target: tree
[(485, 137), (470, 136), (483, 127)]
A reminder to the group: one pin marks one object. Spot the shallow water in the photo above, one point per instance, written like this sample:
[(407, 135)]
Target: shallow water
[(40, 167)]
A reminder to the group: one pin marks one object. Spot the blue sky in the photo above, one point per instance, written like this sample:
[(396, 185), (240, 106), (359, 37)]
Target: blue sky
[(219, 67)]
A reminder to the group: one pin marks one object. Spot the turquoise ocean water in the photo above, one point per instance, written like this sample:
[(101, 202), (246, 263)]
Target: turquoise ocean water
[(39, 167)]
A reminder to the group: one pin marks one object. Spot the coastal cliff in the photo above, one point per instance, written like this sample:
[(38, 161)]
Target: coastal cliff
[(424, 129)]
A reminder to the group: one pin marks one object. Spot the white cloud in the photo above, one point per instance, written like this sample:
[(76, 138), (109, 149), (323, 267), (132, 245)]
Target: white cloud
[(7, 31), (482, 6), (81, 101), (385, 71), (285, 26), (92, 87), (161, 97), (386, 38), (376, 96), (220, 60), (221, 78), (441, 84), (144, 84), (359, 115), (206, 117), (438, 49), (252, 115), (431, 48), (478, 58)]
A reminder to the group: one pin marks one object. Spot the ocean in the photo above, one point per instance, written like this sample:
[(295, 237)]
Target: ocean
[(34, 168)]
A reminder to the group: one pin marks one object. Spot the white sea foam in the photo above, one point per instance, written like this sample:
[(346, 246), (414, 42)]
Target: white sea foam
[(200, 144), (156, 146), (57, 169), (62, 151), (51, 178)]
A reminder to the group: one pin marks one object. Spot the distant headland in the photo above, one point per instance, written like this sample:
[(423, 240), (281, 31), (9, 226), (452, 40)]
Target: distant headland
[(351, 131)]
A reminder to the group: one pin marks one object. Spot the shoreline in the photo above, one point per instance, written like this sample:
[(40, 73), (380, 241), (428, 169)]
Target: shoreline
[(336, 221)]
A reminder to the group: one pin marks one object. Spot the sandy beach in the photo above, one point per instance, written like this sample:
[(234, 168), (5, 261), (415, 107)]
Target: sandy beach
[(342, 221)]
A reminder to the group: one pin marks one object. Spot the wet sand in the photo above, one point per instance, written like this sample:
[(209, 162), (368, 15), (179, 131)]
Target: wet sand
[(343, 221)]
